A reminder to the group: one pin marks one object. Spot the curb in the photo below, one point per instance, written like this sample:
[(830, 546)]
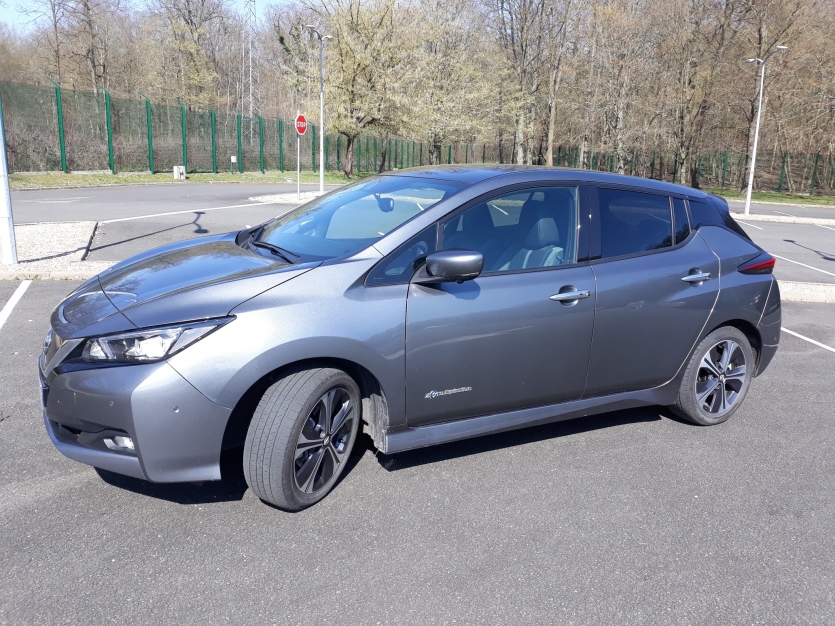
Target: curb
[(57, 275), (784, 219), (808, 206)]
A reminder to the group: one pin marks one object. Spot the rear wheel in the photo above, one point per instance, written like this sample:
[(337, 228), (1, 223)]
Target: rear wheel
[(717, 378), (301, 436)]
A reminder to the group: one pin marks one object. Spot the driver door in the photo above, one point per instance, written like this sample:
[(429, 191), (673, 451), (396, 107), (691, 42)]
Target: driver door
[(508, 339)]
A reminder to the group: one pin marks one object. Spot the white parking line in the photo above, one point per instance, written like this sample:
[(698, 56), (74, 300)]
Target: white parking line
[(16, 296), (817, 343), (803, 264), (781, 213), (217, 208), (751, 225), (826, 227)]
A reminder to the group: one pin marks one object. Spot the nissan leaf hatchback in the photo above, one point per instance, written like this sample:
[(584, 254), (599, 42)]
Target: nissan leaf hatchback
[(426, 306)]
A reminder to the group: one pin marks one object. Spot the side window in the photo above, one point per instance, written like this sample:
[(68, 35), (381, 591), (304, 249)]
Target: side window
[(704, 214), (682, 224), (632, 222), (520, 230), (399, 266)]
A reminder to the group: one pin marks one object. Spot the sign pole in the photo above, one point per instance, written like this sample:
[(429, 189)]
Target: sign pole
[(298, 161), (301, 128), (7, 239)]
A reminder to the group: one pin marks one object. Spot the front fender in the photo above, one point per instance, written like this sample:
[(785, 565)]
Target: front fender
[(325, 313)]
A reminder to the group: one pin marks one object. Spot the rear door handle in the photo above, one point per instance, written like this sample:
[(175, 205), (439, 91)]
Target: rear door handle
[(699, 277), (570, 295)]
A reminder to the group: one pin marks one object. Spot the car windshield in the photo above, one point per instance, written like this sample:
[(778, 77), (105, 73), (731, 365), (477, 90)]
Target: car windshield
[(354, 217)]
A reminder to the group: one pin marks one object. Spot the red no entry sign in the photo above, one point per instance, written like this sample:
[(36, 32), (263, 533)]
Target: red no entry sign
[(301, 124)]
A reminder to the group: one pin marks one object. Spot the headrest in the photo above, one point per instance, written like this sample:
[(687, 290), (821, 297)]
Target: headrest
[(477, 219), (544, 232)]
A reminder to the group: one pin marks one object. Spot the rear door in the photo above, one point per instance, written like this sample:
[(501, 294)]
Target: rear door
[(657, 283)]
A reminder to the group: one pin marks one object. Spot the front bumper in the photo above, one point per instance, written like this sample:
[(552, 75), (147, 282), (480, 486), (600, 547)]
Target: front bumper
[(177, 432)]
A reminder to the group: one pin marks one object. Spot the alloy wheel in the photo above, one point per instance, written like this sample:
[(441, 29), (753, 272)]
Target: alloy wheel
[(323, 441), (721, 378)]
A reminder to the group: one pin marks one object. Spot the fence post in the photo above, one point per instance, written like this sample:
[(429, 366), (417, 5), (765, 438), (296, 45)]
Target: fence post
[(8, 246), (338, 162), (240, 146), (698, 169), (59, 108), (281, 145), (388, 154), (327, 162), (449, 155), (814, 175), (782, 172), (148, 119), (261, 142), (313, 147), (213, 120), (652, 166), (185, 133), (359, 154), (376, 156), (109, 123)]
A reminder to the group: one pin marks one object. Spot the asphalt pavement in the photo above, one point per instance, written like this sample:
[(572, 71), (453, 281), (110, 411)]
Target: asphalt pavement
[(631, 517)]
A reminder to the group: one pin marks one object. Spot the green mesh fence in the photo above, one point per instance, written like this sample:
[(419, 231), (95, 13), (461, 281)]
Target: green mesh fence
[(168, 137), (31, 127), (85, 130), (31, 115), (130, 135)]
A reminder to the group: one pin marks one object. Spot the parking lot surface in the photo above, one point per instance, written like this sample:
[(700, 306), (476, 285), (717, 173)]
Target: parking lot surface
[(631, 517)]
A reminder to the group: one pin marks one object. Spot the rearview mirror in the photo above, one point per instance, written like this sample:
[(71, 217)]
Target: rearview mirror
[(450, 266)]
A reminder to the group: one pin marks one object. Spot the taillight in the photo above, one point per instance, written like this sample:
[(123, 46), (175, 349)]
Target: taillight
[(762, 264)]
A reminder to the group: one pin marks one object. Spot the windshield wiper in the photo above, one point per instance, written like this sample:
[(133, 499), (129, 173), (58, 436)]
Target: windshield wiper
[(284, 254)]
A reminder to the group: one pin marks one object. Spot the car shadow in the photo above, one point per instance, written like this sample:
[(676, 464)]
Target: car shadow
[(509, 439), (231, 487)]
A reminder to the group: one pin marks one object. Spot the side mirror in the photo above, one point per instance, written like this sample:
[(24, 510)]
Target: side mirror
[(450, 266)]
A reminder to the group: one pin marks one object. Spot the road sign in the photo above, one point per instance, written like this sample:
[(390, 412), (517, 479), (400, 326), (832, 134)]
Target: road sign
[(301, 124)]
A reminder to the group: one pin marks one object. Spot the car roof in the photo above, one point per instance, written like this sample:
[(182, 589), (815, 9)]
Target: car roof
[(471, 174)]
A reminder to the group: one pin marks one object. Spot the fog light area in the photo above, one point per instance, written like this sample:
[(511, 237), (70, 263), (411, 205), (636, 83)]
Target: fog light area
[(119, 443)]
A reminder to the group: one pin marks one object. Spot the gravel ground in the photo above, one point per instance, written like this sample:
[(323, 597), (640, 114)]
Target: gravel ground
[(54, 247)]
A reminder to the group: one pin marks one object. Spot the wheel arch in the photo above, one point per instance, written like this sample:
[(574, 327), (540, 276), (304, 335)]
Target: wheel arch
[(374, 405), (751, 333)]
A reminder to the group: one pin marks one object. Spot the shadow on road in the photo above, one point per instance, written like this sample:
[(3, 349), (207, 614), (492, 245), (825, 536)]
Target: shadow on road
[(231, 487), (199, 230)]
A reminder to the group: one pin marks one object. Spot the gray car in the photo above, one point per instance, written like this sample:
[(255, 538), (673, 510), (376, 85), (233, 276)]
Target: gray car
[(425, 306)]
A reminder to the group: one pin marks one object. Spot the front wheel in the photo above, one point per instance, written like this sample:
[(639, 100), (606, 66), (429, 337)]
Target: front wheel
[(301, 436), (717, 378)]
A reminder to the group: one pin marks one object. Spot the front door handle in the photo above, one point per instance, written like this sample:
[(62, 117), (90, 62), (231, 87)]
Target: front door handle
[(697, 277), (570, 295)]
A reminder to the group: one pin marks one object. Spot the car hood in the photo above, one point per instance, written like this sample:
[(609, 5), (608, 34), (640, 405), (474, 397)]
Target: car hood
[(189, 280)]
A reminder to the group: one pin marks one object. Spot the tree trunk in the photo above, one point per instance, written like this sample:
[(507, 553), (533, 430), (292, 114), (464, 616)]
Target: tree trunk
[(383, 156), (349, 155)]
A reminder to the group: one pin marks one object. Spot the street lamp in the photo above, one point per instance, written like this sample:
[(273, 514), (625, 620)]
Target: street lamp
[(321, 39), (757, 129)]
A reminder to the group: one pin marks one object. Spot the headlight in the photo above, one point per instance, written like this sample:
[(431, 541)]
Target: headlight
[(153, 344)]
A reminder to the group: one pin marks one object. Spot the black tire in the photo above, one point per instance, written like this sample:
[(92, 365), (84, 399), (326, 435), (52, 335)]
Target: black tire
[(715, 383), (287, 432)]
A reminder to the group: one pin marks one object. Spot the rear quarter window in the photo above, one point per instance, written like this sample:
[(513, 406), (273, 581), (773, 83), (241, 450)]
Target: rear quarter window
[(714, 212)]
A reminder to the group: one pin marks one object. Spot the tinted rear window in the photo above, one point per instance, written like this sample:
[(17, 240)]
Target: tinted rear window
[(632, 222)]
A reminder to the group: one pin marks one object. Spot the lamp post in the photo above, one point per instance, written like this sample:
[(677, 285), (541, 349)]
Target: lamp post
[(757, 128), (321, 39)]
